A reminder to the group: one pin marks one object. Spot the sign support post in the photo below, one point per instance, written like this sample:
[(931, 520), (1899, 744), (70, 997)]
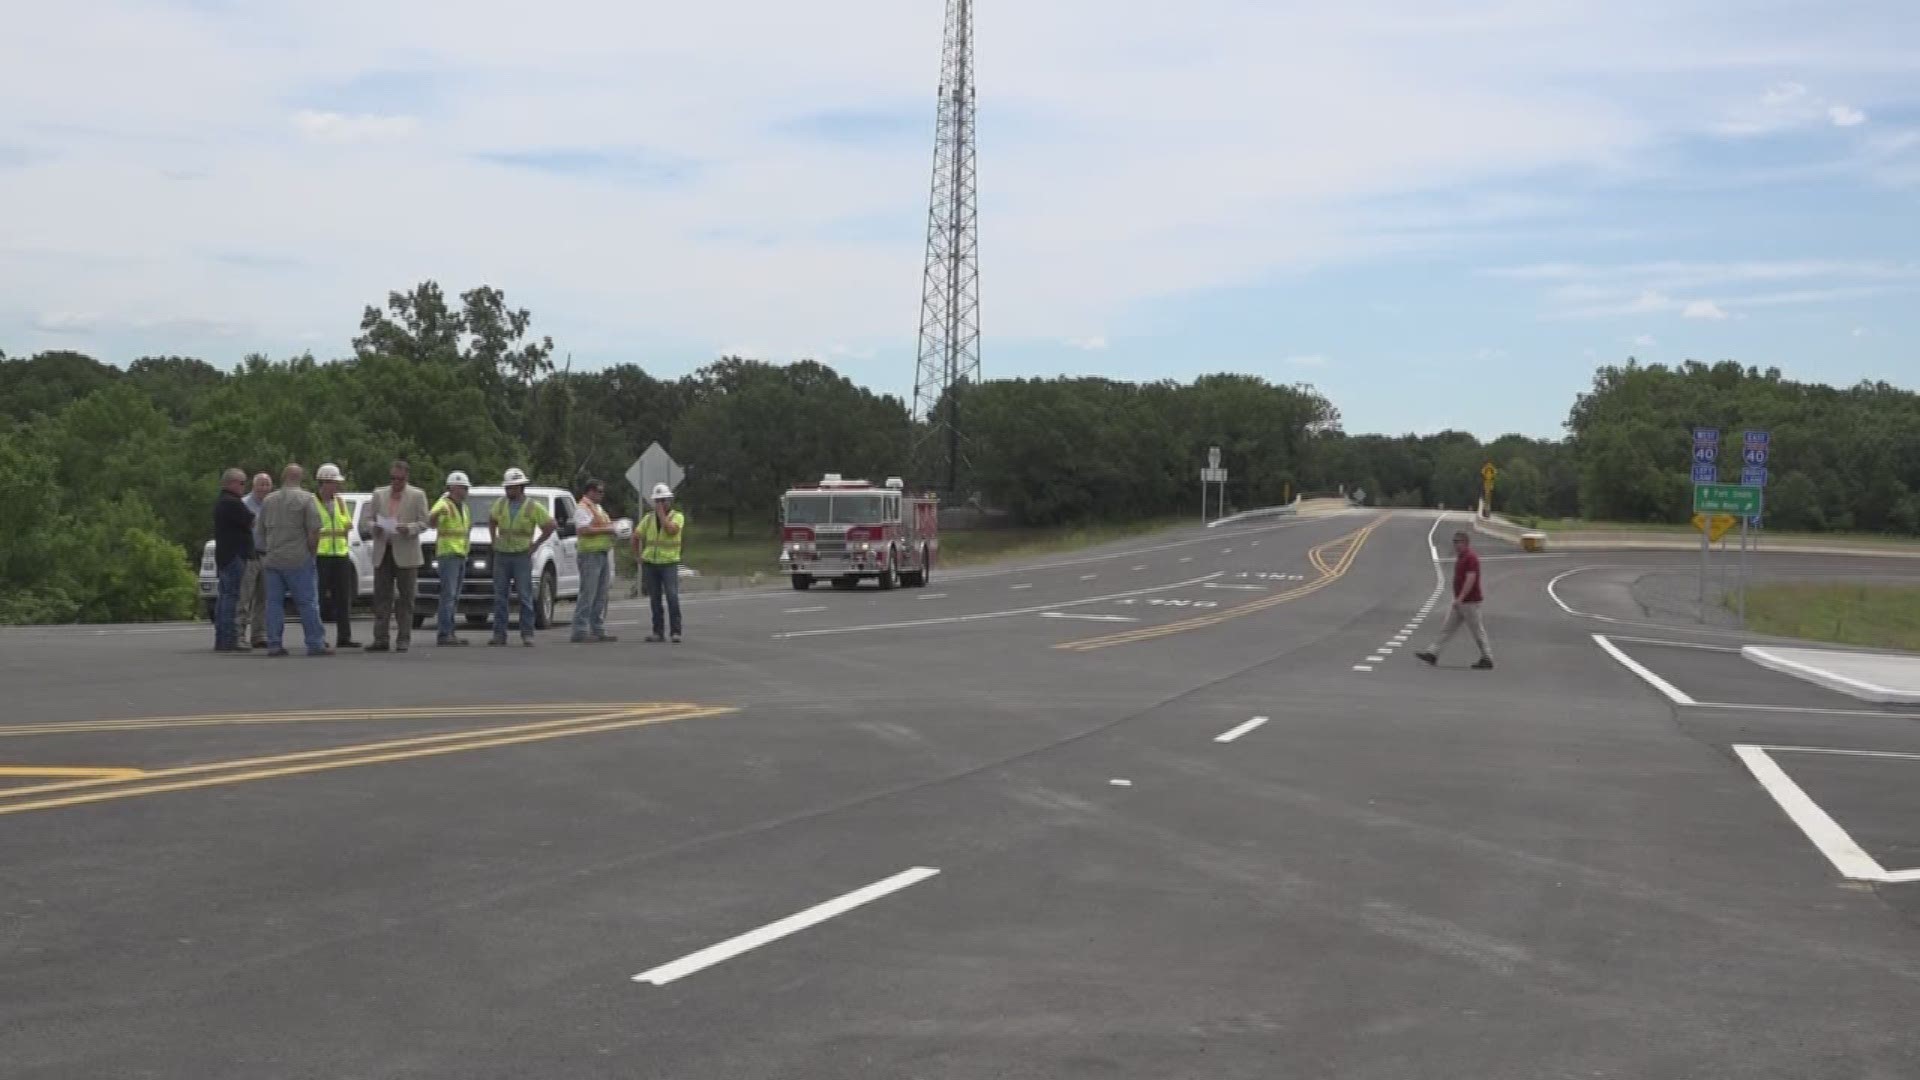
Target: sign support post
[(1706, 470)]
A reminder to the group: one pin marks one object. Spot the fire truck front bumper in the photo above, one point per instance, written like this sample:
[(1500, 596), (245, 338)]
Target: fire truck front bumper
[(832, 566)]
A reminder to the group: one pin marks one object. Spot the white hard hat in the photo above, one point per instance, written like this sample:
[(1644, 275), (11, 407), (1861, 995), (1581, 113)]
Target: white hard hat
[(514, 478), (662, 491), (623, 529), (328, 472), (457, 479)]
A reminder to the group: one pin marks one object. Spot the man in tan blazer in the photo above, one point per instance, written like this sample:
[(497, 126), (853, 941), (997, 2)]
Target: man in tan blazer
[(394, 519)]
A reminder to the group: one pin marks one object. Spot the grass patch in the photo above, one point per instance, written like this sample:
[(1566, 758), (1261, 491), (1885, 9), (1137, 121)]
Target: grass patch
[(1553, 525), (1879, 616), (756, 548)]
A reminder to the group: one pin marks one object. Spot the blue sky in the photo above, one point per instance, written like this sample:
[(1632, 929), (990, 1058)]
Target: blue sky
[(1441, 214)]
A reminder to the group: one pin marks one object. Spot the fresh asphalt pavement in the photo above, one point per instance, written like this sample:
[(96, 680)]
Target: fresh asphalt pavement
[(1179, 807)]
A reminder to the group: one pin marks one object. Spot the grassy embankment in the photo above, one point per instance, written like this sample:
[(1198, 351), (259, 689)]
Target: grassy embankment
[(1553, 525), (1878, 616), (755, 548)]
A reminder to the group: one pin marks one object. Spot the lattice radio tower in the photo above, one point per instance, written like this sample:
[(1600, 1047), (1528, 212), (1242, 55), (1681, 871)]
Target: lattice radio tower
[(950, 297)]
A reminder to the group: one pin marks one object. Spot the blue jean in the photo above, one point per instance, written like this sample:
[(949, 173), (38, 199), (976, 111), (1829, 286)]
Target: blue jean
[(226, 607), (453, 574), (507, 569), (302, 583), (663, 585), (590, 607)]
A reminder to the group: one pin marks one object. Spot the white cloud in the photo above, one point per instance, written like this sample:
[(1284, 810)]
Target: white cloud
[(69, 322), (1090, 344), (1846, 116), (1859, 331), (1599, 291), (1782, 94), (1313, 360), (1644, 341), (344, 128), (1786, 106)]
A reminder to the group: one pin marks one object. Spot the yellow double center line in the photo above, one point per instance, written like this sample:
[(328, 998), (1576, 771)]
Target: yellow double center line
[(1332, 569), (245, 770)]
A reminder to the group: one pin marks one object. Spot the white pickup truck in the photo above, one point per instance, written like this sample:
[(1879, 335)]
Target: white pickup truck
[(360, 551), (556, 563)]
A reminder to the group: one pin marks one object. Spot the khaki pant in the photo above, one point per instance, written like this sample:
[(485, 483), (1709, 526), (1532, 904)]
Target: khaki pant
[(389, 580), (250, 615), (1467, 615)]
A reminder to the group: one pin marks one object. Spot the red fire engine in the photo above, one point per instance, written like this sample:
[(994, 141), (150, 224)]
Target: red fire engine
[(845, 530)]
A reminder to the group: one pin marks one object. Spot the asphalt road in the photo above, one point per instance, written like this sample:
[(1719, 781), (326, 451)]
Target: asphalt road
[(1181, 807)]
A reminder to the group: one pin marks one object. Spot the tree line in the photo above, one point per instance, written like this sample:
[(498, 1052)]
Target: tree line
[(109, 472)]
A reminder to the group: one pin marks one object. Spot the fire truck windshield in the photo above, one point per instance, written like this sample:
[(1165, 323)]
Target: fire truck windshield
[(843, 509)]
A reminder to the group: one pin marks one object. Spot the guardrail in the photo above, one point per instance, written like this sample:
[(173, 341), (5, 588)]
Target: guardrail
[(1255, 515)]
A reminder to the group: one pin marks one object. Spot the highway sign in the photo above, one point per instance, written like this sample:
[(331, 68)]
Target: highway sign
[(1706, 474), (1757, 438), (1488, 472), (654, 466), (1706, 436), (1213, 476), (1213, 457), (1726, 499), (1714, 525), (1753, 477), (1706, 453)]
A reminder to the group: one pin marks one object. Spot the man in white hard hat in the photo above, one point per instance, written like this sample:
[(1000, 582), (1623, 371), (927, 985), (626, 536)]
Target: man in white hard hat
[(394, 519), (339, 580), (512, 524), (452, 521), (656, 547)]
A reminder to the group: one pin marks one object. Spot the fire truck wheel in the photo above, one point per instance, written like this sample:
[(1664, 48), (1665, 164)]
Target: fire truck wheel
[(802, 582), (889, 577)]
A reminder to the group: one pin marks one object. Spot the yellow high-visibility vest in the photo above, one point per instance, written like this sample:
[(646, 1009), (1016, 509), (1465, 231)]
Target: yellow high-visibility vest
[(655, 545), (456, 525), (335, 520)]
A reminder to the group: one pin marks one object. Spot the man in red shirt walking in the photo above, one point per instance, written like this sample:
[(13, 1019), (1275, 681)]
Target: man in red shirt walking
[(1466, 606)]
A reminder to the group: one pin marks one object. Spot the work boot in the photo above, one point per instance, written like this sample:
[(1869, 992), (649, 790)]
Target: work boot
[(676, 637), (378, 646), (1427, 658), (526, 640), (494, 643), (1485, 663), (656, 637), (604, 638)]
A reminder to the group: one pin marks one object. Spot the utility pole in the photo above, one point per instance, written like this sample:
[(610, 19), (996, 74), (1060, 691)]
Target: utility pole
[(949, 352)]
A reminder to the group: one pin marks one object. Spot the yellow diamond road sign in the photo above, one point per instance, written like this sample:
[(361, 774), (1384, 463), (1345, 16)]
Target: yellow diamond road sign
[(1714, 525)]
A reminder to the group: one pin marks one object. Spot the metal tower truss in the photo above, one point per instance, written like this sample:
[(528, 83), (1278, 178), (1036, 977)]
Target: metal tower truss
[(949, 353)]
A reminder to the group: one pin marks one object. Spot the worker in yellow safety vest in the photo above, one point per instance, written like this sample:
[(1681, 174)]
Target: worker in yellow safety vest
[(656, 546), (513, 523), (339, 580), (452, 520), (596, 532)]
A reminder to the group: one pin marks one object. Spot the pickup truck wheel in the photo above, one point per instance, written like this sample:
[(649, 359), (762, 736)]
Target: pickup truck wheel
[(544, 601), (477, 620), (419, 620), (802, 582), (210, 608)]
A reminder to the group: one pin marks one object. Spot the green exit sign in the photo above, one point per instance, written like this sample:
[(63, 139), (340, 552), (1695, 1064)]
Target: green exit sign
[(1726, 499)]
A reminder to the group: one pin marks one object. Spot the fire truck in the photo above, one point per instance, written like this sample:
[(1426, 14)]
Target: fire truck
[(845, 530)]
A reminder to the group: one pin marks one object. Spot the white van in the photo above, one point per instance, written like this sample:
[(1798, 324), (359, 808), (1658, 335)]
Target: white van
[(556, 563), (360, 551)]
